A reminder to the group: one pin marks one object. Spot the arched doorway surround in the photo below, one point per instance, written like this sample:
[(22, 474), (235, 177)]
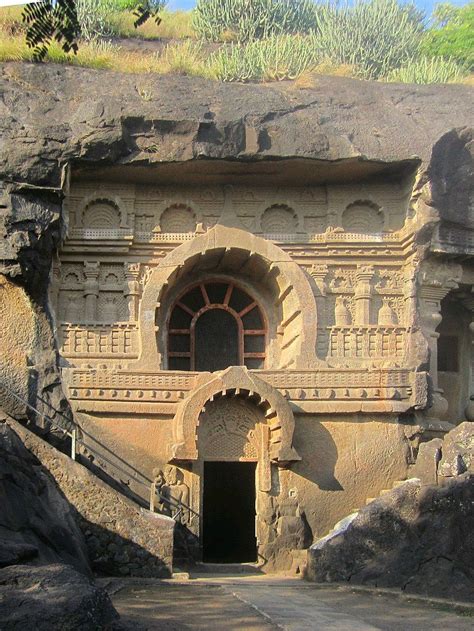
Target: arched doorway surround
[(233, 381), (215, 324), (289, 285)]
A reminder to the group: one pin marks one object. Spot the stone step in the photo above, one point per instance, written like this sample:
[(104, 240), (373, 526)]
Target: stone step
[(226, 568), (180, 575)]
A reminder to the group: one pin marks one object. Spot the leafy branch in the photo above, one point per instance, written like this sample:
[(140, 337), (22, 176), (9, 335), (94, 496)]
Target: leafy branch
[(56, 20)]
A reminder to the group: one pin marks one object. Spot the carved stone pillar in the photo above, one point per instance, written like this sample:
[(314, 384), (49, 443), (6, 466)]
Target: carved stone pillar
[(91, 290), (436, 280), (132, 289), (319, 273), (363, 294), (430, 304)]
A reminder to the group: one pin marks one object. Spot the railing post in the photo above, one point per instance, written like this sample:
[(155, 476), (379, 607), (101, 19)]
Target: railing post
[(73, 444)]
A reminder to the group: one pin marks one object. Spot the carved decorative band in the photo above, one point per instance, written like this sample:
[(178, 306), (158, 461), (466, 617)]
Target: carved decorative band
[(173, 237), (113, 379), (355, 236), (99, 233), (374, 342), (98, 340), (337, 378)]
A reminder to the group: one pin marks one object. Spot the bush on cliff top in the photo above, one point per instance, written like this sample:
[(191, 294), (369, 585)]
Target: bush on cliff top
[(248, 20), (452, 34), (370, 39)]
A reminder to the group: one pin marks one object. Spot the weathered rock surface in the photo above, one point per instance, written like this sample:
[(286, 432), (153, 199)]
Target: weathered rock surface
[(52, 114), (53, 117), (439, 459), (120, 537), (52, 597), (36, 520), (418, 538)]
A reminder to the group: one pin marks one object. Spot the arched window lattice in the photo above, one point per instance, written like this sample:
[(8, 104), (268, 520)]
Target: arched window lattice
[(213, 325)]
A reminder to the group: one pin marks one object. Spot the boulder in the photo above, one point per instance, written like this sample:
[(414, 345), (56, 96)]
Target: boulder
[(36, 521), (52, 597), (458, 451), (418, 538), (12, 552)]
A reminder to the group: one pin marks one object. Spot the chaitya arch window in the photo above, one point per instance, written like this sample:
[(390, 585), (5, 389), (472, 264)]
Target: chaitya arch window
[(214, 325)]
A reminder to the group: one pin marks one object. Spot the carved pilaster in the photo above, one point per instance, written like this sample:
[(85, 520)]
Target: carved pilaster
[(132, 289), (319, 273), (91, 290), (363, 294), (436, 280)]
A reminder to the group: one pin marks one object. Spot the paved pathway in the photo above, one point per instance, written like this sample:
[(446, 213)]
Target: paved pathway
[(267, 603)]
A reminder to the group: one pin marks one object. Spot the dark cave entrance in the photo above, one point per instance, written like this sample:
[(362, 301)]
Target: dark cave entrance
[(229, 512)]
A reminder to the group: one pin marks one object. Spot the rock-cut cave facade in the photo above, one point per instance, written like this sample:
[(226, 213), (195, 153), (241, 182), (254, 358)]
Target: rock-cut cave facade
[(270, 350)]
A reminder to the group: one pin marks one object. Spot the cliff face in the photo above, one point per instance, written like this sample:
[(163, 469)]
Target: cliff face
[(36, 520), (53, 115), (54, 119)]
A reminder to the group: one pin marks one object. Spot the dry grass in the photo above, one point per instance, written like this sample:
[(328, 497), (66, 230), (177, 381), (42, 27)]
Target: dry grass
[(10, 20), (174, 25), (469, 80), (182, 58)]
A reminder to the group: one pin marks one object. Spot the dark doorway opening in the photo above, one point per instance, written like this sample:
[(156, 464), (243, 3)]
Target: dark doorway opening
[(229, 512)]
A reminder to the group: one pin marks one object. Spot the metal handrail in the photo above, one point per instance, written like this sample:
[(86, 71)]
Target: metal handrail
[(75, 440)]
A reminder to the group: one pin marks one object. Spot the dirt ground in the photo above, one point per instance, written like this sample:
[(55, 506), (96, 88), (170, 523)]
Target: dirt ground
[(261, 603)]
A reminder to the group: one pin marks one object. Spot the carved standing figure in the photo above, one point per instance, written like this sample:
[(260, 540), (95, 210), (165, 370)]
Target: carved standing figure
[(177, 492), (156, 486)]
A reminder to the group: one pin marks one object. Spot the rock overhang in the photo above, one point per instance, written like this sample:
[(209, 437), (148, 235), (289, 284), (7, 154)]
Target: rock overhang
[(54, 116)]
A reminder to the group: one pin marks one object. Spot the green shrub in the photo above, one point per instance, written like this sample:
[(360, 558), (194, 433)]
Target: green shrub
[(173, 25), (130, 5), (247, 20), (126, 5), (453, 36), (275, 58), (101, 18), (184, 58), (374, 36), (95, 18), (428, 70)]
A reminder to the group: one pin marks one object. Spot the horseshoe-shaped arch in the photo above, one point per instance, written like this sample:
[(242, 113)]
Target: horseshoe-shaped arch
[(235, 381), (299, 322)]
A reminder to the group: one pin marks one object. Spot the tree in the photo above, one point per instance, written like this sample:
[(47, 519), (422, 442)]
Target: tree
[(452, 34), (56, 20)]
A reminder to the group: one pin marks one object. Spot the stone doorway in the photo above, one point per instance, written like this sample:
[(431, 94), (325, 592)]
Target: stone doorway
[(229, 512)]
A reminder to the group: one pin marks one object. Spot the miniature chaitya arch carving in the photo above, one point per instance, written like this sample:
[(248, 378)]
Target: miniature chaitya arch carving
[(279, 219), (363, 217), (101, 213), (214, 324), (178, 218)]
